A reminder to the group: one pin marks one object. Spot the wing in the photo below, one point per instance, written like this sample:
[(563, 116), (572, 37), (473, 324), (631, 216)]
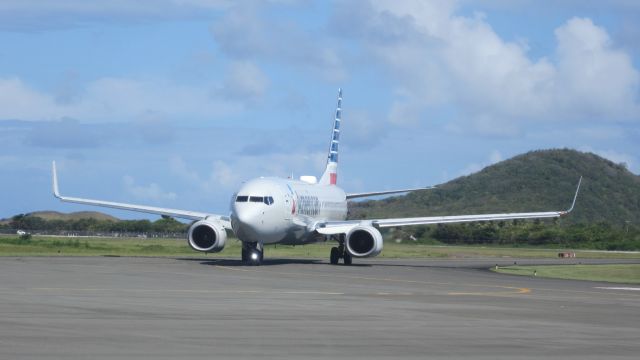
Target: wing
[(367, 194), (184, 214), (341, 227)]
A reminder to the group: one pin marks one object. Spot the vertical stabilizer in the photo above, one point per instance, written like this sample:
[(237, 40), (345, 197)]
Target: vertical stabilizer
[(330, 175)]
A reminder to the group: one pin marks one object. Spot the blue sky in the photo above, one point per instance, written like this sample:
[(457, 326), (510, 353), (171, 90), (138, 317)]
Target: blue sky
[(175, 102)]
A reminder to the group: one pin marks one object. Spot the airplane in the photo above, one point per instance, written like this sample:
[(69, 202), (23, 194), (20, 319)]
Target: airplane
[(270, 210)]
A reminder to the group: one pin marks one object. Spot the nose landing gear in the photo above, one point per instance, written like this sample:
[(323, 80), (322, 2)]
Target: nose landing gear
[(252, 253)]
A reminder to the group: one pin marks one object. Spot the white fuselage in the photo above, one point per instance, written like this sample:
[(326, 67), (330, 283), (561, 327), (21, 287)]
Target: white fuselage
[(275, 210)]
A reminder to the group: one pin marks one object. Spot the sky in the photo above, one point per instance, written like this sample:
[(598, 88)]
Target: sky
[(175, 103)]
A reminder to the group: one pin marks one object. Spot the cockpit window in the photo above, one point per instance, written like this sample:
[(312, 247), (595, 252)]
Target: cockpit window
[(268, 200)]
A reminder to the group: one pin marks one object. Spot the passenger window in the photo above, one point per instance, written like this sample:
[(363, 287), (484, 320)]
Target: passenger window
[(242, 198), (256, 199)]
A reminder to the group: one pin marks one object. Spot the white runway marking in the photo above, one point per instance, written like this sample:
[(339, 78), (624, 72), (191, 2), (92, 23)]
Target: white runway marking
[(619, 288)]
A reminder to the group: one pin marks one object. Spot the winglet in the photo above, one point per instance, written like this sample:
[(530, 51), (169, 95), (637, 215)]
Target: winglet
[(575, 197), (56, 192)]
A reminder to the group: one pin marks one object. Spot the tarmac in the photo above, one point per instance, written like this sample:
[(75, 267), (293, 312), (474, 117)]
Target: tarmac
[(200, 308)]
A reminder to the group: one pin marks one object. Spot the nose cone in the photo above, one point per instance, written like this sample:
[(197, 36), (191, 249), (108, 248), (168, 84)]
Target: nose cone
[(254, 217), (248, 214), (247, 221)]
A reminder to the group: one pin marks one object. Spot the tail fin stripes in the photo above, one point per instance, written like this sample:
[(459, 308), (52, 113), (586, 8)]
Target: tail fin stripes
[(335, 139), (330, 175)]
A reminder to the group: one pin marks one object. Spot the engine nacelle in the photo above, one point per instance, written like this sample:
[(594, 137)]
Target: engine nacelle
[(364, 241), (207, 236)]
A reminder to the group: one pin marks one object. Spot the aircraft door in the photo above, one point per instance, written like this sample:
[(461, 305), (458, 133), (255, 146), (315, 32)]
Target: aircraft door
[(288, 201)]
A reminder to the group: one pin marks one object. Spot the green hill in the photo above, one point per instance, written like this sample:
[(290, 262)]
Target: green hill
[(90, 221), (55, 215), (541, 180)]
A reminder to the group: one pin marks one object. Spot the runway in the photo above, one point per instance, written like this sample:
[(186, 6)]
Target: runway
[(159, 308)]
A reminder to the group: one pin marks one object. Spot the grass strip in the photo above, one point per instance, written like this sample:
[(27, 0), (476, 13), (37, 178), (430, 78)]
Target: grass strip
[(76, 246), (618, 273)]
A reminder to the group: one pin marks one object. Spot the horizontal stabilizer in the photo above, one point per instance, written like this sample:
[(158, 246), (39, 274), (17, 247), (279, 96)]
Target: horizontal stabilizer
[(375, 193)]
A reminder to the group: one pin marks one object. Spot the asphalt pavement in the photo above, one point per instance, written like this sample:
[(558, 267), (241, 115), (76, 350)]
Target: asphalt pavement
[(160, 308)]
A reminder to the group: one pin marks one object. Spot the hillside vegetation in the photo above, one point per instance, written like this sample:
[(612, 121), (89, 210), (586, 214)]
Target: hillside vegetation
[(78, 215), (74, 216), (542, 180), (165, 226), (606, 215)]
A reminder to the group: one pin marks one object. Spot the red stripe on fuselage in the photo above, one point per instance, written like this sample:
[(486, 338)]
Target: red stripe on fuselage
[(333, 178)]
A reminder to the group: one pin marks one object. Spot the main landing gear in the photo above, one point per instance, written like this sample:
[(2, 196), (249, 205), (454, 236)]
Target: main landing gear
[(252, 253), (340, 252)]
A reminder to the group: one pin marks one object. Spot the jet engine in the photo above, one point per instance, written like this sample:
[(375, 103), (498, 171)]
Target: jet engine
[(207, 236), (364, 241)]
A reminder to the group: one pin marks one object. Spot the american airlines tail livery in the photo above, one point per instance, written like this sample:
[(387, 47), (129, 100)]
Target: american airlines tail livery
[(270, 210)]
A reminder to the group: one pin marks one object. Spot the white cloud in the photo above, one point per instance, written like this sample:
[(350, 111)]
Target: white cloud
[(406, 111), (223, 174), (244, 33), (595, 79), (437, 57), (119, 98), (363, 130), (18, 101), (244, 81), (493, 78), (295, 162), (151, 192), (430, 16), (220, 175), (113, 99), (179, 167)]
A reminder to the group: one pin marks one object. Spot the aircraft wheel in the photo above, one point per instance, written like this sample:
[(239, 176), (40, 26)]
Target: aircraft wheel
[(254, 257), (348, 259), (335, 256), (252, 254)]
